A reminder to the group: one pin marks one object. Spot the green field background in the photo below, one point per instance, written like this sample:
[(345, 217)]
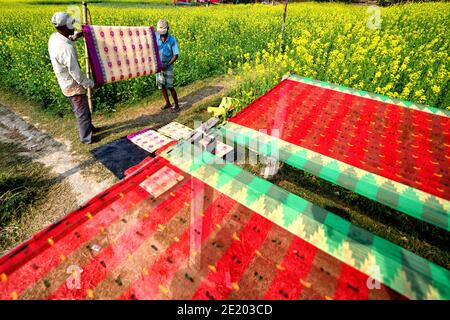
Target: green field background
[(406, 58)]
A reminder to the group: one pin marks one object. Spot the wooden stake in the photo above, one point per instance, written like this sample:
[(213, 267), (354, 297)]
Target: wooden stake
[(86, 54), (284, 21)]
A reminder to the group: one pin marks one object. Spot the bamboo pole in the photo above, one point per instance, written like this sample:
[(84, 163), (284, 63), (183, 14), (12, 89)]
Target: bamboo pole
[(86, 54), (284, 21)]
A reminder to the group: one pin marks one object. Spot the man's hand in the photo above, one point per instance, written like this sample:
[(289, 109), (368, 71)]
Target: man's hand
[(77, 35), (90, 84)]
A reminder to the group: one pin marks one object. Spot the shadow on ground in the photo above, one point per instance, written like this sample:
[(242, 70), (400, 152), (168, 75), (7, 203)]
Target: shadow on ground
[(162, 117), (119, 155)]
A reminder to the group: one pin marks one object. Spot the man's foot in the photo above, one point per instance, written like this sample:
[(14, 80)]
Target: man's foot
[(167, 106), (175, 109)]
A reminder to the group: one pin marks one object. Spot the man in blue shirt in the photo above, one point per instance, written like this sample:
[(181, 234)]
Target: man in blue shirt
[(168, 51)]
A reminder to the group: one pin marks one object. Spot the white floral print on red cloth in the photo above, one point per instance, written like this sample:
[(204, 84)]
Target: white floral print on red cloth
[(161, 181)]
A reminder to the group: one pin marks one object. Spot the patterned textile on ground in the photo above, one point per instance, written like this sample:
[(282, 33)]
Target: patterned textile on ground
[(120, 53), (407, 273), (175, 131), (214, 232), (189, 242), (391, 151), (149, 140)]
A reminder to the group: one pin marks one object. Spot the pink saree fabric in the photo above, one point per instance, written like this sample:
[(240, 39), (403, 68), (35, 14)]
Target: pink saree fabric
[(120, 53)]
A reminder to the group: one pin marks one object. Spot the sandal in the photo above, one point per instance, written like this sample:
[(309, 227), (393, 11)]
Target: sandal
[(167, 106)]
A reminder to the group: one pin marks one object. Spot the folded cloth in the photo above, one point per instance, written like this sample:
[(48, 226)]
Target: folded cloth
[(149, 140), (120, 53), (175, 131)]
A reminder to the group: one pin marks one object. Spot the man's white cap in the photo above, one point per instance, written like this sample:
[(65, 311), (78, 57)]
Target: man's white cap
[(162, 26), (60, 19)]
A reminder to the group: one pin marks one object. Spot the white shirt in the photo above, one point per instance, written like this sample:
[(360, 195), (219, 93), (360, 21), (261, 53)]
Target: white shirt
[(63, 55)]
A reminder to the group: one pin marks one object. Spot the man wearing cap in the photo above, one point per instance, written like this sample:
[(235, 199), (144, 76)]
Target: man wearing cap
[(168, 51), (73, 82)]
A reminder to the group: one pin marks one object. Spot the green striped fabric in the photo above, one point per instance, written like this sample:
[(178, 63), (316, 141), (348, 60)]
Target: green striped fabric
[(411, 201), (408, 274)]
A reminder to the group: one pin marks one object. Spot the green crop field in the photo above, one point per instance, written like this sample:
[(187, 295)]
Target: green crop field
[(406, 57)]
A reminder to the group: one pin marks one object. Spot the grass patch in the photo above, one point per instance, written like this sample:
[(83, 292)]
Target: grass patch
[(22, 184), (30, 198)]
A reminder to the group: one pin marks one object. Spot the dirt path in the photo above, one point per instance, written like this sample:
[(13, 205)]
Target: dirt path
[(54, 154)]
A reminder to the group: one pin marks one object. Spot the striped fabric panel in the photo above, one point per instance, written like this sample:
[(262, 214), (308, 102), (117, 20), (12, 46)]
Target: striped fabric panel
[(408, 274), (394, 152), (411, 201), (193, 243)]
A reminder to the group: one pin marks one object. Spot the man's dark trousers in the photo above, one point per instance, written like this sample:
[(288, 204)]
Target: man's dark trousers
[(80, 107)]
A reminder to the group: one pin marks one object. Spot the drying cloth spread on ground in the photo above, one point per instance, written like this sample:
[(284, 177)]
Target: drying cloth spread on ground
[(120, 53), (175, 131), (149, 140), (152, 141), (394, 152), (191, 241), (214, 232)]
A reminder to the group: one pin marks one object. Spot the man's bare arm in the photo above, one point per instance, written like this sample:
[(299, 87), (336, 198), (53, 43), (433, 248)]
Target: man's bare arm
[(174, 58), (76, 36)]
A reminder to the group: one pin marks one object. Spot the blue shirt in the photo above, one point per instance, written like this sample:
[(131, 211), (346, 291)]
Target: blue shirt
[(167, 49)]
